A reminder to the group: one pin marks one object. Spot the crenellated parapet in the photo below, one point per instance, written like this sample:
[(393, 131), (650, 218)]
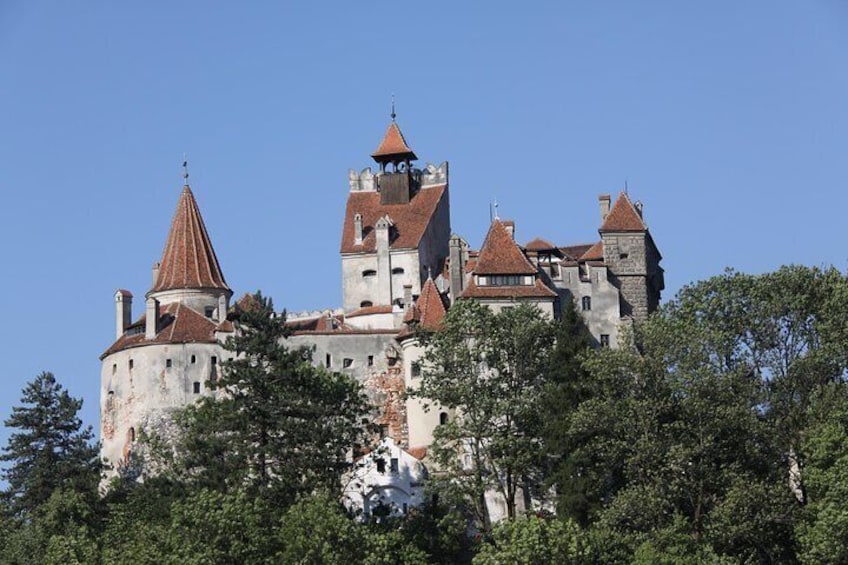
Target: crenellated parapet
[(369, 181)]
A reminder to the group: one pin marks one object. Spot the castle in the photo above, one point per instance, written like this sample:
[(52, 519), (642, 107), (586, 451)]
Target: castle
[(402, 267)]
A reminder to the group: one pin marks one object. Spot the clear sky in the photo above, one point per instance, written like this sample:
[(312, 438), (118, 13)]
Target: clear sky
[(727, 119)]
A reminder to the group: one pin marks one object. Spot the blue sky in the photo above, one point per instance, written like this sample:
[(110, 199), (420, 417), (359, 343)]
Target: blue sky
[(727, 119)]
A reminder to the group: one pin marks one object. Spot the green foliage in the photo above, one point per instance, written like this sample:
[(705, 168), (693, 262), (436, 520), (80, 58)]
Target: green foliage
[(278, 425), (491, 368), (533, 540), (50, 450)]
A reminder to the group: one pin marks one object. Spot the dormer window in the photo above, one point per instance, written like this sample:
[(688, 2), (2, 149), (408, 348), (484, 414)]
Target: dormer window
[(503, 280), (369, 273)]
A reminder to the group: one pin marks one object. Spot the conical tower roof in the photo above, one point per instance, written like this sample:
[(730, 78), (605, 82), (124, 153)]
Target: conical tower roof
[(623, 216), (189, 261), (393, 147)]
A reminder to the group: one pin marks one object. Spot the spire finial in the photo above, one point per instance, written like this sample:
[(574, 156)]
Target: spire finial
[(185, 170), (394, 115), (625, 186)]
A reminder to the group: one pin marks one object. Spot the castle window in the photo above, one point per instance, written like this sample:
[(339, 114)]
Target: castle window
[(114, 368), (366, 304), (209, 311), (604, 340), (381, 465), (369, 273), (587, 303), (370, 360), (623, 255), (132, 364), (110, 399), (394, 466), (168, 363), (397, 271), (415, 369), (193, 359), (196, 387), (214, 360), (347, 362), (131, 434), (443, 418), (504, 280), (328, 362)]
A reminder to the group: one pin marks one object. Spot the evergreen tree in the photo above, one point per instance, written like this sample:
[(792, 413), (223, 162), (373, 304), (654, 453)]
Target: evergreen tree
[(277, 423), (50, 450)]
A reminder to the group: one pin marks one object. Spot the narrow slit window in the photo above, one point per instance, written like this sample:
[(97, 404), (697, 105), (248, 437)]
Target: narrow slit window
[(168, 363), (132, 364), (196, 387), (587, 303), (193, 359), (443, 418), (370, 360)]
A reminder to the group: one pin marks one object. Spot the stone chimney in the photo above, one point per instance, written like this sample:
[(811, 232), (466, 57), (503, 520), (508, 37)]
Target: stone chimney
[(384, 269), (151, 327), (510, 227), (223, 306), (457, 267), (155, 273), (123, 311), (357, 229), (604, 203), (407, 298)]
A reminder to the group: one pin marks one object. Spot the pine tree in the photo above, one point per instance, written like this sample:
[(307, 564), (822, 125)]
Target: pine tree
[(50, 450)]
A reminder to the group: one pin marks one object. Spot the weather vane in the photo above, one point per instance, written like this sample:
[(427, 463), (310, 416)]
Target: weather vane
[(393, 107), (185, 169)]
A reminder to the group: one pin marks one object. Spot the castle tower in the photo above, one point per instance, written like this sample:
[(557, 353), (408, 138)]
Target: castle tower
[(169, 356), (396, 228), (631, 256)]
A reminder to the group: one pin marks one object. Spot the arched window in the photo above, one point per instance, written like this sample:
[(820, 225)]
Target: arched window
[(366, 304), (369, 273), (587, 303), (443, 418), (397, 271)]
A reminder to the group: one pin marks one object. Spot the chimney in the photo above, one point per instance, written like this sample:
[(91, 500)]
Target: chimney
[(155, 272), (151, 327), (457, 267), (123, 311), (604, 203), (357, 229), (510, 227), (407, 298), (223, 306)]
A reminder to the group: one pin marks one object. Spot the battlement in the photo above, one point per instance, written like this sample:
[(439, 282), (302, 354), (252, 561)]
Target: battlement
[(368, 181)]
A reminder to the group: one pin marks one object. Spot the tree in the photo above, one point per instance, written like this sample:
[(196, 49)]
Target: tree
[(50, 450), (532, 540), (491, 369), (276, 424)]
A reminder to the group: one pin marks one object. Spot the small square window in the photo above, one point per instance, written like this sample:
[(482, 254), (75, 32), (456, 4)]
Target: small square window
[(168, 363), (394, 466), (604, 340), (196, 387), (209, 311), (415, 369), (214, 360), (193, 359), (381, 465), (347, 362), (370, 360)]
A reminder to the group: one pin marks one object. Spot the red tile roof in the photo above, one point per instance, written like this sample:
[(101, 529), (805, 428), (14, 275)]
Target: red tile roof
[(539, 290), (500, 255), (596, 252), (418, 452), (539, 244), (393, 144), (368, 310), (177, 324), (623, 216), (429, 310), (188, 260), (575, 252), (410, 220)]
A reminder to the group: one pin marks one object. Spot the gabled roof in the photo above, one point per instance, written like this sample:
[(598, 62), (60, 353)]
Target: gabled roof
[(500, 255), (574, 252), (393, 145), (188, 260), (537, 290), (539, 244), (594, 253), (429, 310), (177, 324), (623, 216), (410, 220)]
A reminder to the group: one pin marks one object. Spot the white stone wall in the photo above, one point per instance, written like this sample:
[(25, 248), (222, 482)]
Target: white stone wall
[(139, 398), (604, 316), (421, 421)]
